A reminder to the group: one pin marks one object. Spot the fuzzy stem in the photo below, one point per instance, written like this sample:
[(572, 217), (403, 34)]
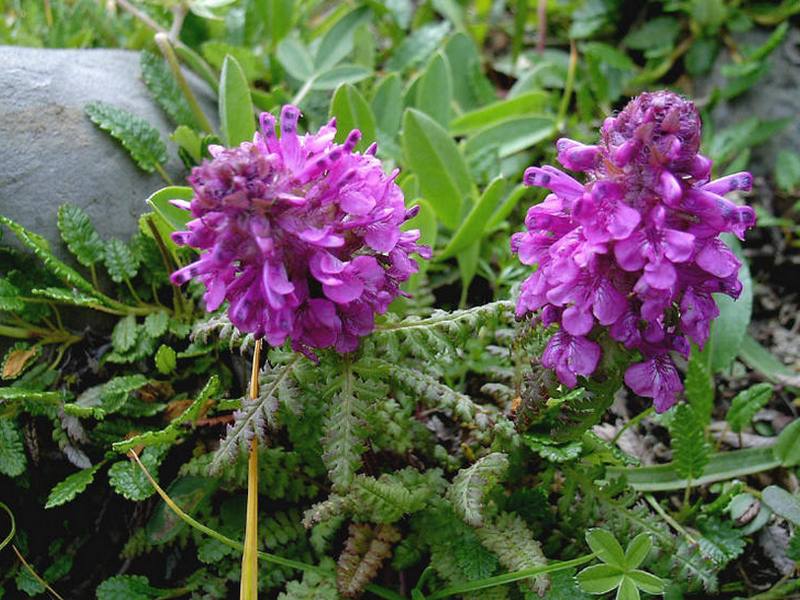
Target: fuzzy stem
[(248, 589), (160, 170), (162, 40)]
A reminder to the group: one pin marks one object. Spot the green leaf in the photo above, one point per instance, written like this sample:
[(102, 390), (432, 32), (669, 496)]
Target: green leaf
[(467, 267), (162, 85), (782, 503), (66, 490), (9, 297), (655, 33), (700, 385), (123, 337), (120, 261), (236, 116), (340, 74), (472, 228), (627, 590), (176, 218), (721, 467), (294, 57), (139, 138), (435, 90), (787, 448), (469, 486), (728, 330), (337, 42), (418, 46), (690, 449), (522, 105), (599, 579), (511, 136), (637, 550), (278, 16), (155, 324), (746, 404), (352, 112), (216, 51), (762, 360), (12, 453), (166, 360), (437, 162), (606, 546), (190, 141), (646, 582), (787, 170), (387, 104), (188, 493), (66, 296), (129, 481), (79, 234), (128, 587), (471, 88)]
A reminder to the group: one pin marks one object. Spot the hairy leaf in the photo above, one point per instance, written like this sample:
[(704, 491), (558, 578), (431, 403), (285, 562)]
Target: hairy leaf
[(120, 261), (471, 484), (12, 453), (746, 404), (79, 234), (139, 138), (162, 85), (691, 451)]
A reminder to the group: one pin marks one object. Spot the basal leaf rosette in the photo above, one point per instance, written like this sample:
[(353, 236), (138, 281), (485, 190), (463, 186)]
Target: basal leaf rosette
[(634, 250), (300, 235)]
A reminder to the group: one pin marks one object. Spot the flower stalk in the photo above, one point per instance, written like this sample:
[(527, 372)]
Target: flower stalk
[(249, 582)]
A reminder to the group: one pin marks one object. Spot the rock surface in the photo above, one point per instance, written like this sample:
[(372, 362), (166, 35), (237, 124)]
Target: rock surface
[(52, 152)]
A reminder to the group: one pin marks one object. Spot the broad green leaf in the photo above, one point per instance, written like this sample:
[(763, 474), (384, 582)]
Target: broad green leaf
[(435, 90), (176, 218), (746, 404), (294, 57), (637, 550), (527, 104), (787, 170), (512, 135), (120, 261), (599, 579), (782, 503), (337, 42), (129, 481), (646, 582), (216, 52), (166, 360), (9, 297), (66, 490), (79, 234), (162, 85), (123, 337), (418, 46), (505, 209), (139, 138), (155, 324), (627, 590), (12, 453), (762, 360), (129, 587), (236, 116), (472, 228), (437, 162), (278, 18), (606, 546), (387, 104), (352, 112), (655, 33), (787, 448), (471, 88), (340, 74), (728, 330), (189, 141)]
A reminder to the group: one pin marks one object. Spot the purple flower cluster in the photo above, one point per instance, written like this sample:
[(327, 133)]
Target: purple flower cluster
[(300, 235), (635, 250)]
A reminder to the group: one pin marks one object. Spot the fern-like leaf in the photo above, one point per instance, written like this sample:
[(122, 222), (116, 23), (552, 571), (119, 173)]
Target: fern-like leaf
[(12, 452), (509, 538), (255, 415), (690, 449), (162, 85), (344, 432), (471, 484), (140, 139), (220, 329), (78, 232), (746, 404), (120, 261), (366, 548)]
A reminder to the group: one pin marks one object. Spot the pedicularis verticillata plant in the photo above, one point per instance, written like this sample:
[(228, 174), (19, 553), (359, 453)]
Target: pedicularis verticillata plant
[(634, 253), (302, 237)]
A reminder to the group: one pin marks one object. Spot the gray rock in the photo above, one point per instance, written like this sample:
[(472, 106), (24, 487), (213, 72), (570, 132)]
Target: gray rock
[(775, 96), (52, 152)]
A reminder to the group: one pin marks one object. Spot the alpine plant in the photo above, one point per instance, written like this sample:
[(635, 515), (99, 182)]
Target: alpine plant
[(633, 251), (299, 234)]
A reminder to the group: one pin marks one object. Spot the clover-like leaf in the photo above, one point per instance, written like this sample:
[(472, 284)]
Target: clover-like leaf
[(606, 547), (637, 550), (647, 582), (600, 579)]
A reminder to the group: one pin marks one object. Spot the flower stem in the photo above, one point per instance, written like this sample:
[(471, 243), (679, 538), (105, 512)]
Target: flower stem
[(248, 589), (568, 85), (162, 40), (303, 92)]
